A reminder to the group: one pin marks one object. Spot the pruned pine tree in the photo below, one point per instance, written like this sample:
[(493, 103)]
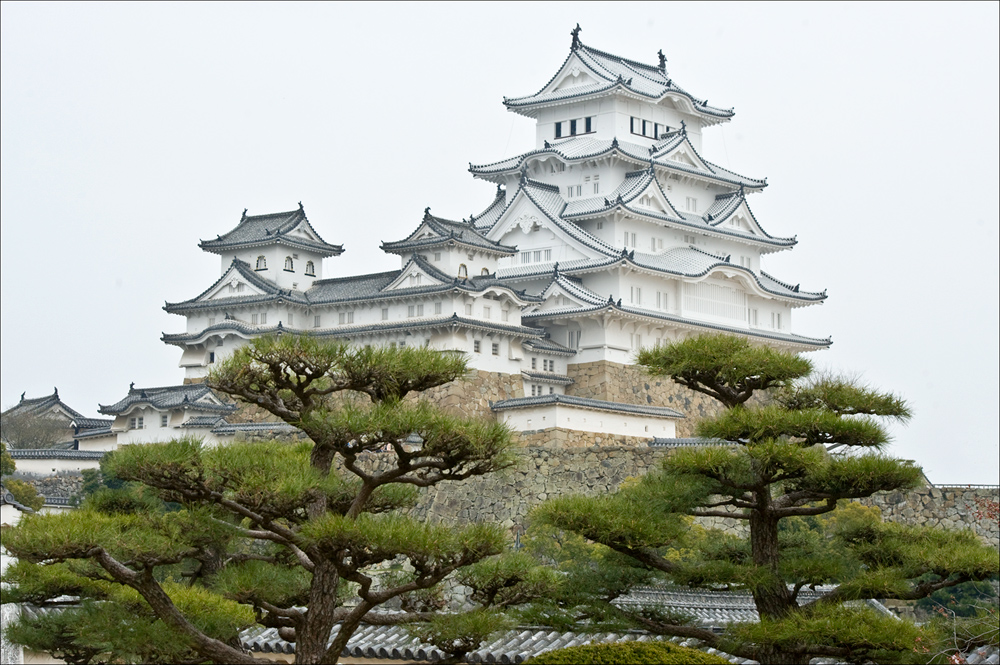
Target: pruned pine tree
[(785, 461), (276, 534)]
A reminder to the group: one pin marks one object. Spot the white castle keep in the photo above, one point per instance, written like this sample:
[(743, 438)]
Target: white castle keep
[(611, 234)]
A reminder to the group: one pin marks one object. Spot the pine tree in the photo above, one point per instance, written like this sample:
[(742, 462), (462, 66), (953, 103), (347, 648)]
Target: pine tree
[(204, 541), (796, 450)]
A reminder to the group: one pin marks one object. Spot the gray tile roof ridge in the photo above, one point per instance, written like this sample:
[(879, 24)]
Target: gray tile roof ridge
[(693, 323), (574, 286), (249, 231), (49, 453), (599, 62), (567, 226), (349, 278), (91, 433), (445, 228), (585, 402), (489, 216), (668, 442), (33, 404), (8, 499), (270, 289), (158, 398), (547, 345), (548, 377), (412, 324), (632, 150)]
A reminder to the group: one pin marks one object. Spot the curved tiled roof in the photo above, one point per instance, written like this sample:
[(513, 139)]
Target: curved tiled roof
[(547, 377), (447, 231), (691, 323), (271, 292), (257, 230), (488, 217), (576, 149), (586, 403), (49, 453), (646, 81), (168, 397), (182, 339), (545, 345)]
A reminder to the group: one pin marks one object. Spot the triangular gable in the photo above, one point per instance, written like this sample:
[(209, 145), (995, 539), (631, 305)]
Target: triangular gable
[(524, 217), (574, 73), (685, 155), (305, 230), (562, 293), (741, 220), (232, 285), (414, 275), (652, 198)]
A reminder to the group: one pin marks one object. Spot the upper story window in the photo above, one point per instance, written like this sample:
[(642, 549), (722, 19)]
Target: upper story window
[(576, 127), (164, 418), (691, 203), (651, 130), (385, 313), (485, 272), (345, 318), (310, 269), (574, 190), (536, 256), (463, 271), (289, 266), (261, 262)]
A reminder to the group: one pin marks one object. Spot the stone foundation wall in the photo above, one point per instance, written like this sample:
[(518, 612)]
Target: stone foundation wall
[(943, 507), (472, 395), (556, 437), (629, 384)]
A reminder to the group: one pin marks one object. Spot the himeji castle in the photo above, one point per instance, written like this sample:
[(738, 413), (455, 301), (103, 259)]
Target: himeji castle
[(613, 233)]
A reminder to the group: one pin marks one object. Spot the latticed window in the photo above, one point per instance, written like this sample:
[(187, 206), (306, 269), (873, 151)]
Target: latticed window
[(463, 271), (289, 266), (310, 269), (261, 262)]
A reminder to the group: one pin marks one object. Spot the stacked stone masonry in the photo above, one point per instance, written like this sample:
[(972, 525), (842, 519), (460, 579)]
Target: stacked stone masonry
[(629, 384)]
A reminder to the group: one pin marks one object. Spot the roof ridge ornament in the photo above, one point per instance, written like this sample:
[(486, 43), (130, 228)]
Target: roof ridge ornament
[(22, 396), (131, 386), (244, 217), (547, 146), (684, 128), (427, 213), (301, 209), (663, 60), (575, 32)]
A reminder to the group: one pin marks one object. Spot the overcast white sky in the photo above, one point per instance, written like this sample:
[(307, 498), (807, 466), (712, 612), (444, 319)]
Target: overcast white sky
[(129, 132)]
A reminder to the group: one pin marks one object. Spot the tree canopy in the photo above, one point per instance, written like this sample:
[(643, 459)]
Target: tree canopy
[(813, 443), (200, 542)]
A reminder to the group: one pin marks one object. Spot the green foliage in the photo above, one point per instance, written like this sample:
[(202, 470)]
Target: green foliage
[(728, 368), (865, 634), (460, 633), (778, 476), (7, 465), (625, 653), (510, 579), (963, 600), (25, 493)]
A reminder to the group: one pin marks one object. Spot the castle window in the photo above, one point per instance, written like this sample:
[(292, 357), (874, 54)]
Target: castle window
[(588, 123), (485, 272), (572, 127), (776, 320), (385, 313), (263, 318), (316, 321), (752, 317), (476, 346), (345, 318), (487, 312), (437, 308), (253, 319), (496, 349), (211, 361), (692, 204), (534, 363), (211, 320), (504, 315), (289, 266), (468, 309), (261, 263), (559, 130), (310, 269), (552, 390), (291, 318), (239, 287), (463, 271), (163, 420), (597, 184), (437, 256)]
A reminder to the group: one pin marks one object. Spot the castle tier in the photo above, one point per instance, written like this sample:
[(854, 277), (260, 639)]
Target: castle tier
[(614, 233)]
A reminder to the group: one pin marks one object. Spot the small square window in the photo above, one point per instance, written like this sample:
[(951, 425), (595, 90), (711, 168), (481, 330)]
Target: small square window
[(496, 349), (163, 420), (476, 346)]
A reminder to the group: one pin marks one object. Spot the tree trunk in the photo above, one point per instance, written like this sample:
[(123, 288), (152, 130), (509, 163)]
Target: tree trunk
[(312, 638), (771, 596)]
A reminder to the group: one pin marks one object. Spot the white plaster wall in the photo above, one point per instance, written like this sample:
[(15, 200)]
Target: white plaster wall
[(587, 420), (48, 467)]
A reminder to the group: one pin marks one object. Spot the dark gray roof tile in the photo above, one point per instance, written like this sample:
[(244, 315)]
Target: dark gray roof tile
[(585, 402), (257, 230), (169, 397)]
